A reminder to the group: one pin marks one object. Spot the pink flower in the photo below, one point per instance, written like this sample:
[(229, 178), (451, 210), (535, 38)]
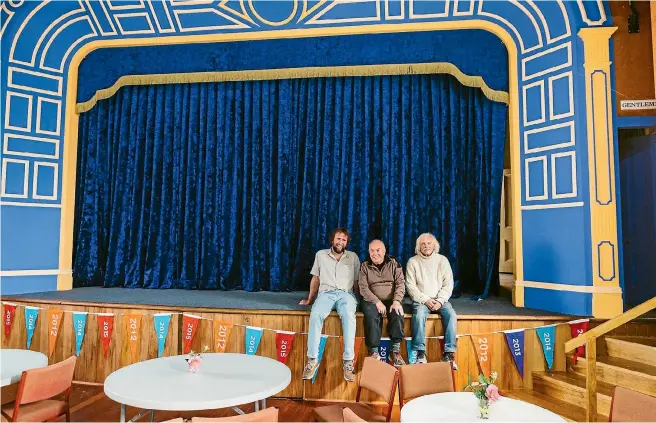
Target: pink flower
[(492, 393), (194, 364)]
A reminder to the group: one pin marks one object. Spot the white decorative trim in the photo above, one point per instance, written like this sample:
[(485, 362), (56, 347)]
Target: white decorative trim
[(522, 47), (35, 180), (95, 18), (11, 84), (573, 193), (444, 14), (46, 272), (125, 7), (395, 17), (545, 191), (553, 206), (26, 173), (38, 116), (543, 114), (567, 46), (584, 13), (120, 16), (20, 204), (315, 18), (168, 17), (70, 47), (586, 289), (54, 23), (177, 13), (470, 12), (20, 31), (6, 150), (570, 112), (551, 146), (29, 98)]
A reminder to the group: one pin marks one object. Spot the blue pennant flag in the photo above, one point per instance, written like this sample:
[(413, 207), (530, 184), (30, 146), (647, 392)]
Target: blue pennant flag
[(384, 349), (515, 339), (322, 346), (79, 323), (253, 336), (412, 353), (162, 321), (31, 314), (547, 335)]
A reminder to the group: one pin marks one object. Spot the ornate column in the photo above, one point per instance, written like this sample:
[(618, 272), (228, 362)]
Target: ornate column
[(606, 291)]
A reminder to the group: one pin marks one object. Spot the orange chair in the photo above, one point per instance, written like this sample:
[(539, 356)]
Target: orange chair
[(350, 417), (424, 379), (36, 387), (377, 377), (267, 415), (632, 406)]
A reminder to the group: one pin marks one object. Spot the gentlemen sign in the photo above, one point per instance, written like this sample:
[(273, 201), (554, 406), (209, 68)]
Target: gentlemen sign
[(638, 104)]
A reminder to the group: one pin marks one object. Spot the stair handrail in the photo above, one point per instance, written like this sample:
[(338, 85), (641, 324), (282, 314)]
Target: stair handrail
[(589, 339), (611, 324)]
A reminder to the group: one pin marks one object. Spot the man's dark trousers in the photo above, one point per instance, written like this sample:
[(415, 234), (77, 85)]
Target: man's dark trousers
[(373, 324)]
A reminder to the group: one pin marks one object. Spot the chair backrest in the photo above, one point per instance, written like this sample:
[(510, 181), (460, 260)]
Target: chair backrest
[(632, 406), (379, 378), (350, 417), (424, 379), (267, 415), (46, 382)]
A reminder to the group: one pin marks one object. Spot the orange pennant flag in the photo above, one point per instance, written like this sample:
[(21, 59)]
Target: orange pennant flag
[(133, 322), (357, 345), (54, 323), (483, 347), (221, 335)]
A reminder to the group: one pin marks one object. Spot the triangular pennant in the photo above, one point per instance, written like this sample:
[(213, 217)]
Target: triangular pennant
[(253, 336), (411, 352), (8, 313), (440, 339), (578, 327), (79, 324), (384, 349), (189, 326), (357, 346), (547, 335), (162, 322), (483, 347), (221, 335), (322, 346), (54, 323), (284, 341), (105, 329), (31, 314), (515, 340), (133, 322)]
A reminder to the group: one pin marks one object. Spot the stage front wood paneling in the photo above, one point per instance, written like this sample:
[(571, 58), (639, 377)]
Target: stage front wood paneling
[(94, 367)]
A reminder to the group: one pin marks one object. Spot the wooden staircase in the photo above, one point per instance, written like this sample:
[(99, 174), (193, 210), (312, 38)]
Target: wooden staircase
[(628, 362)]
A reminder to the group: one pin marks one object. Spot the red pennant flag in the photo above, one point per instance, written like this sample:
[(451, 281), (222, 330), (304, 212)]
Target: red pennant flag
[(577, 328), (189, 326), (441, 339), (483, 347), (133, 322), (54, 320), (221, 335), (9, 312), (105, 328), (284, 342)]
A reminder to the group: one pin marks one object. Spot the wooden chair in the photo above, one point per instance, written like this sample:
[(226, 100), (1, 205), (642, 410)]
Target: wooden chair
[(632, 406), (267, 415), (350, 417), (36, 388), (424, 379), (377, 377)]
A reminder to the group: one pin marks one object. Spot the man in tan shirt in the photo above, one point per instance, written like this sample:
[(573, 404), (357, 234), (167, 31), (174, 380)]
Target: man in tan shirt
[(382, 288)]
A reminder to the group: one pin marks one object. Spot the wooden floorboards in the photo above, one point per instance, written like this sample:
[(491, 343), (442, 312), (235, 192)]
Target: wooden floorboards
[(90, 404)]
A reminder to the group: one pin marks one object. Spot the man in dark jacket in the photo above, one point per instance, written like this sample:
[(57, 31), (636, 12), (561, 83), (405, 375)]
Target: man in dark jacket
[(382, 288)]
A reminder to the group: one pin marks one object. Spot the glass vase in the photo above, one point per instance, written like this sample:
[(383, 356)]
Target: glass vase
[(483, 408)]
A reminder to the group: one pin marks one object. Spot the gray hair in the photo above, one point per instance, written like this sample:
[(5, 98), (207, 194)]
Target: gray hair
[(436, 245)]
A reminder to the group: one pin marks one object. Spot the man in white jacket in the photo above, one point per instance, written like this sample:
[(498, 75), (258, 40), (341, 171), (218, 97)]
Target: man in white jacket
[(429, 282)]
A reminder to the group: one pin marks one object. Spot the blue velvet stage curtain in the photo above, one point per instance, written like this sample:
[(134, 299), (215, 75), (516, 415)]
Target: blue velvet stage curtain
[(235, 185)]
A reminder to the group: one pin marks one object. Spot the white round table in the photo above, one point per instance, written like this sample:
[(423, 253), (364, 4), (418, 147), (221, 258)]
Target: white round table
[(14, 362), (223, 380), (463, 407)]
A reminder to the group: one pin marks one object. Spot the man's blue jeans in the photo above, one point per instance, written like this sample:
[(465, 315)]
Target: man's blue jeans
[(345, 304), (449, 321)]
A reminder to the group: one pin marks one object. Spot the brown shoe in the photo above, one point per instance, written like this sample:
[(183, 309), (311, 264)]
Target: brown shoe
[(310, 368), (349, 374), (397, 359), (449, 357), (374, 354), (421, 357)]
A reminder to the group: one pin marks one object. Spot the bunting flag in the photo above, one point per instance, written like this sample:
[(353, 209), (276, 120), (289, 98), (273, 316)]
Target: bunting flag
[(483, 347), (31, 314), (105, 328), (133, 322), (9, 311), (547, 335), (441, 340), (515, 339), (189, 326), (412, 353), (54, 322), (79, 323), (384, 349), (253, 336), (577, 328), (357, 346), (221, 335), (161, 321), (284, 342), (322, 347)]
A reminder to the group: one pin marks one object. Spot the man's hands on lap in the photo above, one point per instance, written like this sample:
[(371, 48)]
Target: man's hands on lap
[(381, 308), (396, 307), (433, 304)]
